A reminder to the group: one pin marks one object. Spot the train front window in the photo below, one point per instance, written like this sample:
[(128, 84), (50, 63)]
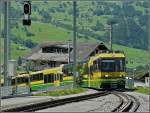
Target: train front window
[(112, 65), (108, 66)]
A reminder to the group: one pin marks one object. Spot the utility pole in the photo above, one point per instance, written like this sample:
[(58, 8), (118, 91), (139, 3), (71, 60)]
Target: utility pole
[(9, 44), (110, 37), (6, 42), (69, 51), (111, 22), (109, 28), (74, 42), (149, 38)]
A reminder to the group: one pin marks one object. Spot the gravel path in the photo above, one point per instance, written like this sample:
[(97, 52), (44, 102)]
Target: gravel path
[(144, 101), (100, 104)]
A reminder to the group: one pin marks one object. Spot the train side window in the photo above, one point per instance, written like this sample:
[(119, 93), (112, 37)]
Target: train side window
[(41, 76), (55, 77), (37, 77), (18, 80), (61, 77), (99, 64), (46, 79), (51, 78), (26, 80)]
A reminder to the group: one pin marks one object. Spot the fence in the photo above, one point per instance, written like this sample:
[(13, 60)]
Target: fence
[(11, 90)]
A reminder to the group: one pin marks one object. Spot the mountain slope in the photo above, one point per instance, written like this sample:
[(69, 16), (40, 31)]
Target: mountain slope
[(53, 21)]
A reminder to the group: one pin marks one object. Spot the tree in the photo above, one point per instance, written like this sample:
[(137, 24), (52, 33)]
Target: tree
[(111, 21), (29, 43)]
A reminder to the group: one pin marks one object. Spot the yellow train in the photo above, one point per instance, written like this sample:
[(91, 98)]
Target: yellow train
[(42, 79), (106, 70)]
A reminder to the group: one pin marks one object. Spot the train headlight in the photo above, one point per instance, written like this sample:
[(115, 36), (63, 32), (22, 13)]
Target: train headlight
[(106, 75)]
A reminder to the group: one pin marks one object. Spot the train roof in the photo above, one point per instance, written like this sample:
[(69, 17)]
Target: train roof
[(110, 55), (21, 75), (53, 70), (106, 56), (36, 72)]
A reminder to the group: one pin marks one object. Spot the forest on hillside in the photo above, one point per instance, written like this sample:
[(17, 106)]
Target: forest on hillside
[(131, 16)]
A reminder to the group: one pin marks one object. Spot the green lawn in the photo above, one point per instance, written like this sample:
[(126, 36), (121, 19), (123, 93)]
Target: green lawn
[(144, 90), (16, 50), (62, 92), (139, 57)]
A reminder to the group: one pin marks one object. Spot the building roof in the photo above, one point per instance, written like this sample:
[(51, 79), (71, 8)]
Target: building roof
[(84, 50), (49, 56)]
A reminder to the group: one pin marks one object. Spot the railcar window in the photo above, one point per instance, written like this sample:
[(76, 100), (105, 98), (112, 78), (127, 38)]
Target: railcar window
[(26, 80), (49, 78), (36, 77), (99, 64), (61, 78), (18, 80), (52, 78)]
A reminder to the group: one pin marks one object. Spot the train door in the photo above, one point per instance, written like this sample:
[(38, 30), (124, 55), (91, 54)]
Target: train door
[(57, 80)]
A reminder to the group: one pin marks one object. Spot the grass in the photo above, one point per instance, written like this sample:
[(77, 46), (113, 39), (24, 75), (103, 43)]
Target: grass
[(138, 56), (43, 32), (48, 32), (143, 90), (15, 51), (63, 92)]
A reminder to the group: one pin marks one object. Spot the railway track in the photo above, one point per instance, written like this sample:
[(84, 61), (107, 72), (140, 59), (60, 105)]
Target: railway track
[(53, 103), (128, 103)]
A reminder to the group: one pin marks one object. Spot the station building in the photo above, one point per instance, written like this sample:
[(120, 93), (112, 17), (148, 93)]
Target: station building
[(53, 54)]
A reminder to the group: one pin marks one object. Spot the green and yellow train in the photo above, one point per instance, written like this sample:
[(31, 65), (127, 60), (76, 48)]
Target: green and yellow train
[(104, 70), (42, 79)]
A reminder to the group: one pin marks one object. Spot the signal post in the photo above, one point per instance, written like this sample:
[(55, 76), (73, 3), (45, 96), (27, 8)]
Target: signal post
[(27, 13)]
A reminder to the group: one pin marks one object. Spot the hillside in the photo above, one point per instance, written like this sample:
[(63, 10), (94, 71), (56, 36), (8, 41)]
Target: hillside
[(52, 21)]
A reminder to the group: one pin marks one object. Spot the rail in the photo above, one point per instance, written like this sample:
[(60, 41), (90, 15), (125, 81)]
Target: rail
[(128, 103), (53, 103)]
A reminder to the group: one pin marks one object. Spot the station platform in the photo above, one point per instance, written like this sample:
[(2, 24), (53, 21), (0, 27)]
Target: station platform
[(10, 103)]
